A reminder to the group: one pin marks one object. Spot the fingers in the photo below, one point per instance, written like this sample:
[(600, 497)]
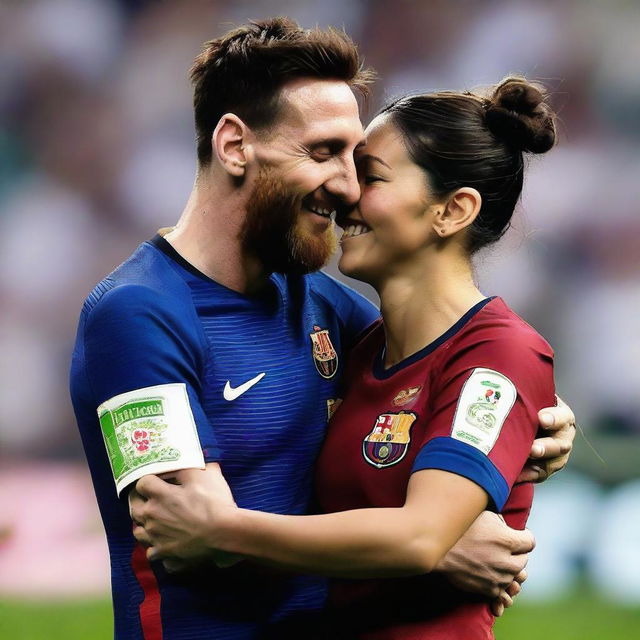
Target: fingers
[(136, 503), (540, 470), (499, 604), (140, 534), (554, 418), (151, 486), (521, 543), (521, 577), (505, 599), (532, 472), (548, 455), (137, 507), (552, 447), (514, 589)]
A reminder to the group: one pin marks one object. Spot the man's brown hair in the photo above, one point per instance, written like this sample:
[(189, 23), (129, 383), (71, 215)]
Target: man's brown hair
[(243, 71)]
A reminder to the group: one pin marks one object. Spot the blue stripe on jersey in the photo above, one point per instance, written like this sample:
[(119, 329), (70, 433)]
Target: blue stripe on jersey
[(461, 458)]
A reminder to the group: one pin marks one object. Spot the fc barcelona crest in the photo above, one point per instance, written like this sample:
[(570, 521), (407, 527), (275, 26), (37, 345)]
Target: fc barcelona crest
[(389, 439), (324, 355)]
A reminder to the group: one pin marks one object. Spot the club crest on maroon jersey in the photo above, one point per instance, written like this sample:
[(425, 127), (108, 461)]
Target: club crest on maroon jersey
[(388, 441), (324, 355)]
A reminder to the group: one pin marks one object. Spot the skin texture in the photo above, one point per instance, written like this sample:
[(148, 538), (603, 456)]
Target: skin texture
[(186, 522)]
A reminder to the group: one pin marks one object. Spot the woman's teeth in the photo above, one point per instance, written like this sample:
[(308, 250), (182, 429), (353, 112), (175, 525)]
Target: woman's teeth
[(354, 230)]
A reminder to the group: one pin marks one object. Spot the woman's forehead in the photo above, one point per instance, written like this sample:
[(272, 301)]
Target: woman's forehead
[(385, 139), (379, 123)]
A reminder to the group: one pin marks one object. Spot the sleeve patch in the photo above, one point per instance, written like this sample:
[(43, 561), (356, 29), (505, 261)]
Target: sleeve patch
[(149, 430), (484, 404)]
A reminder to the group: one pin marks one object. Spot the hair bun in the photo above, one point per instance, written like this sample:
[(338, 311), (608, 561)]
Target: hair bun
[(518, 114)]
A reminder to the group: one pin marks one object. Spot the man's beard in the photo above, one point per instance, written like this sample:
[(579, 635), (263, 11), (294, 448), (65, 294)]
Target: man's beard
[(273, 232)]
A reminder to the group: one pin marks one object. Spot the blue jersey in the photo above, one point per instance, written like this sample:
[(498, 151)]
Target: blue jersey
[(156, 320)]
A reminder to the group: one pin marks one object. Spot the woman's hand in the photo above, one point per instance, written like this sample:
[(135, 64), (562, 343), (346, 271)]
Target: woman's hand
[(183, 519)]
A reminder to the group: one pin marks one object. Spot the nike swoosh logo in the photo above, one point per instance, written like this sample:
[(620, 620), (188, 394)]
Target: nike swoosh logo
[(231, 393)]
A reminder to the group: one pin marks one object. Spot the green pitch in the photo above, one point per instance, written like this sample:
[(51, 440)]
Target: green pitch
[(580, 617)]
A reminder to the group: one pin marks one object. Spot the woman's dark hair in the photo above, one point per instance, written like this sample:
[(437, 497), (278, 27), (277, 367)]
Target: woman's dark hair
[(243, 71), (467, 140)]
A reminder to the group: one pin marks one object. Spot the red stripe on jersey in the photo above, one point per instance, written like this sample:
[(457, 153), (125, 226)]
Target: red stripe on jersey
[(150, 605)]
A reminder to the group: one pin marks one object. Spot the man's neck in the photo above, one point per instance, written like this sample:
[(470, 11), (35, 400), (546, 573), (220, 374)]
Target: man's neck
[(208, 237)]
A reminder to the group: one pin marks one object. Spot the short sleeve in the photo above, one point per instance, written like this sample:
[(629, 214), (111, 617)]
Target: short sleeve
[(136, 337), (484, 411)]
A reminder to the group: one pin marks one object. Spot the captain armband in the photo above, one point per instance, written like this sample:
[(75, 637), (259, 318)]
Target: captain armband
[(149, 431)]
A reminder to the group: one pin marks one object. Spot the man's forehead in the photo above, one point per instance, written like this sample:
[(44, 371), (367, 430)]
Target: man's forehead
[(318, 106)]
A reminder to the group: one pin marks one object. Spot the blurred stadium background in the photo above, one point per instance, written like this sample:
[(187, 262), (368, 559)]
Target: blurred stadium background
[(96, 153)]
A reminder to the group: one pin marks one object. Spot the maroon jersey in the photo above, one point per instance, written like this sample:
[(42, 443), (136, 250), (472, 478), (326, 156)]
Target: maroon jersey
[(467, 403)]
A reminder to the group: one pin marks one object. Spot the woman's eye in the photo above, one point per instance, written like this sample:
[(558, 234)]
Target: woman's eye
[(371, 179)]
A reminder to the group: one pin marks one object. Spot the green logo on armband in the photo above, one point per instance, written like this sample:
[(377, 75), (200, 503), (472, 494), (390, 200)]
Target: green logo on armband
[(485, 402), (149, 431)]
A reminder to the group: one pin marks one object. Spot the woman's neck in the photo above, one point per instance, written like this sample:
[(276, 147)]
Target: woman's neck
[(418, 308)]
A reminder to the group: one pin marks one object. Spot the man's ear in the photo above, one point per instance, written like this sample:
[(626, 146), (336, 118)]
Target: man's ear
[(459, 212), (230, 142)]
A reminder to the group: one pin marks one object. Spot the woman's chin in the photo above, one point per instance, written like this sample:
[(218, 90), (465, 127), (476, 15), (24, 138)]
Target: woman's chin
[(353, 270)]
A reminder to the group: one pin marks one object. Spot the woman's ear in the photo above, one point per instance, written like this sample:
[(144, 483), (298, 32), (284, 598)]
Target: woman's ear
[(229, 140), (459, 212)]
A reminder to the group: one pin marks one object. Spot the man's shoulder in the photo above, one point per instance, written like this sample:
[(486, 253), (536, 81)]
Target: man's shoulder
[(351, 309), (336, 293), (145, 279)]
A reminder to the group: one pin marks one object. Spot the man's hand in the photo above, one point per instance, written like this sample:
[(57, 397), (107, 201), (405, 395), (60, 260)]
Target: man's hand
[(179, 520), (550, 454), (490, 559)]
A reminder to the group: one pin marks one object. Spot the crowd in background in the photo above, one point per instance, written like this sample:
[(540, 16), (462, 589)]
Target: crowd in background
[(97, 152)]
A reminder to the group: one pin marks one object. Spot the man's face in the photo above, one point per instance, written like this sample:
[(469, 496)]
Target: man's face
[(307, 174)]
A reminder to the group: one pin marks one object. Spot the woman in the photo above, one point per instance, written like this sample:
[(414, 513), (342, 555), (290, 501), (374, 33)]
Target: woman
[(440, 398)]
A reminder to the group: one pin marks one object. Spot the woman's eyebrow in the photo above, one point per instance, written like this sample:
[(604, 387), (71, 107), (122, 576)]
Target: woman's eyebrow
[(368, 156)]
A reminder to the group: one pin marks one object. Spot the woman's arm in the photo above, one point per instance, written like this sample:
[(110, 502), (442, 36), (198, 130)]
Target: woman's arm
[(196, 517)]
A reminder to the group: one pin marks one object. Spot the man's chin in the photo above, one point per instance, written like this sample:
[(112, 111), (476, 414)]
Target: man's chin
[(309, 252), (278, 232)]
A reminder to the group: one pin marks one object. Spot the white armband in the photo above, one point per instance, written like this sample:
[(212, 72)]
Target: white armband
[(149, 430)]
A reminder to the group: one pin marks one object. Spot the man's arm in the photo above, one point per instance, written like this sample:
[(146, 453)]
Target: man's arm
[(490, 558), (140, 354)]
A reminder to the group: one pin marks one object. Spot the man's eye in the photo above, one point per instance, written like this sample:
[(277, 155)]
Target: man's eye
[(321, 154)]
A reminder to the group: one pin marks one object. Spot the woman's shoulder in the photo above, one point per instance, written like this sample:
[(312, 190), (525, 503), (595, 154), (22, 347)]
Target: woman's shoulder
[(500, 324)]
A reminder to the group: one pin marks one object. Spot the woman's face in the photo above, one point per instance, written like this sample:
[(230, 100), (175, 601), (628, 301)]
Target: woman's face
[(391, 224)]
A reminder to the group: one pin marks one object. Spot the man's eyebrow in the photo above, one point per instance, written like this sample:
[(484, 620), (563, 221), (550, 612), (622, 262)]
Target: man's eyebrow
[(368, 156), (336, 143), (332, 143)]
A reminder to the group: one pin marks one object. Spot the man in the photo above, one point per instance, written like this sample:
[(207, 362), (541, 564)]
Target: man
[(219, 343)]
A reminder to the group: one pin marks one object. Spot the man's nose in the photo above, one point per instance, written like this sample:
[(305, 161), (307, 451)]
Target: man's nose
[(345, 184)]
